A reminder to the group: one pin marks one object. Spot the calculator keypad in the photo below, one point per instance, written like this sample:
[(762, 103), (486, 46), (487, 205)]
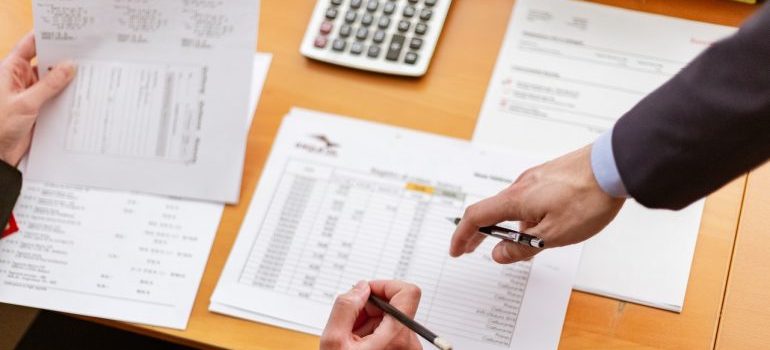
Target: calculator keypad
[(370, 27)]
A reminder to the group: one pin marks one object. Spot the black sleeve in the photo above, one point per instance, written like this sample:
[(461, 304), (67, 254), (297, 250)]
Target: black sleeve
[(703, 128), (10, 187)]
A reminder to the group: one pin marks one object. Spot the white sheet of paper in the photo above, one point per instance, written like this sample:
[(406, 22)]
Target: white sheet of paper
[(341, 200), (566, 72), (161, 89), (117, 255)]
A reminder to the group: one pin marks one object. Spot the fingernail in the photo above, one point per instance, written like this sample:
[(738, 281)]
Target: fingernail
[(506, 253), (360, 286), (69, 67), (500, 253)]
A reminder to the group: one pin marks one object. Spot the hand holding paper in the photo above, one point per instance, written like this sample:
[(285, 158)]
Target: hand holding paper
[(22, 95)]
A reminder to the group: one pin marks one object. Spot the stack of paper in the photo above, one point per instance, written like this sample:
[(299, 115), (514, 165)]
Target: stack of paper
[(111, 254), (566, 72), (146, 116), (342, 200)]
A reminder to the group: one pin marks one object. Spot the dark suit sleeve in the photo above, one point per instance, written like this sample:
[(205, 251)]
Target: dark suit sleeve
[(703, 128), (10, 187)]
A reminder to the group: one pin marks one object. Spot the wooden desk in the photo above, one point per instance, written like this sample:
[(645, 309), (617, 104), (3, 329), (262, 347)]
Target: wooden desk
[(446, 101), (746, 311)]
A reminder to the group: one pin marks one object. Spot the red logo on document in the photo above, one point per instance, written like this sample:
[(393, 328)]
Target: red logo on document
[(10, 229)]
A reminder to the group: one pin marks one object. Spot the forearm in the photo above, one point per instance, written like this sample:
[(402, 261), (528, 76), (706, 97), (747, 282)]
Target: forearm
[(10, 187), (706, 126)]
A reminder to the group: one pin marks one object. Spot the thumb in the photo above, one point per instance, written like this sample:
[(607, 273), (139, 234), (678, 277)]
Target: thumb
[(345, 313), (507, 252), (51, 85)]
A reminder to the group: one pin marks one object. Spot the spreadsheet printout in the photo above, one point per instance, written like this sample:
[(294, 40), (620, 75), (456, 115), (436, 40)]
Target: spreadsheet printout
[(566, 72), (342, 200), (110, 254), (161, 87)]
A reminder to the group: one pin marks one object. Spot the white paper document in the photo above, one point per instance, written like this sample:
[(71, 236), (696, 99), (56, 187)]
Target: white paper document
[(117, 255), (566, 72), (341, 200), (161, 88), (123, 256)]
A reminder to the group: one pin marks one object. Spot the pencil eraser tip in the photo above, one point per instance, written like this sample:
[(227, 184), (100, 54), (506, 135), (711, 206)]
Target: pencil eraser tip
[(442, 344)]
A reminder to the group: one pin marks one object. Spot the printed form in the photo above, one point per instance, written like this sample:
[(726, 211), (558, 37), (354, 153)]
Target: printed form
[(117, 255), (342, 200), (566, 72), (162, 87)]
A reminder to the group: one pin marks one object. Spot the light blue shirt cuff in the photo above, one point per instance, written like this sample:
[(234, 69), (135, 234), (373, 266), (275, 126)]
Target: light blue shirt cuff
[(604, 167)]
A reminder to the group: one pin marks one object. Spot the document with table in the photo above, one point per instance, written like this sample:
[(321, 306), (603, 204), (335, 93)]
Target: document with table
[(342, 200), (566, 72), (162, 87), (111, 254)]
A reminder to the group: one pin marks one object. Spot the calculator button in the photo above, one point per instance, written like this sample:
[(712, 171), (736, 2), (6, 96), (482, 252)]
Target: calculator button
[(430, 2), (372, 5), (339, 45), (320, 41), (351, 16), (421, 28), (409, 11), (379, 36), (331, 13), (395, 47), (326, 27), (411, 57), (356, 48), (355, 4), (362, 33), (426, 14), (415, 43), (367, 19), (374, 51), (389, 8), (336, 2), (403, 25), (345, 30), (384, 22)]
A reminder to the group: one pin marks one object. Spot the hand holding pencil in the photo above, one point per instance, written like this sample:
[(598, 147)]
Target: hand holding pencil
[(356, 324)]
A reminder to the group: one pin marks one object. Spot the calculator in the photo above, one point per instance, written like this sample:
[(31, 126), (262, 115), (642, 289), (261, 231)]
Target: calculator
[(386, 36)]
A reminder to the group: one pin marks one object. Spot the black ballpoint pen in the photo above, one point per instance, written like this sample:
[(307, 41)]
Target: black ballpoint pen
[(508, 235)]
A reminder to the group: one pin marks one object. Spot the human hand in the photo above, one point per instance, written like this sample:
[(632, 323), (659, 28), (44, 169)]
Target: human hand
[(559, 201), (355, 324), (22, 95)]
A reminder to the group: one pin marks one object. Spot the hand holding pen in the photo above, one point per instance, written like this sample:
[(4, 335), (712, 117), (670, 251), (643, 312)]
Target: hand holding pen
[(559, 202), (356, 323)]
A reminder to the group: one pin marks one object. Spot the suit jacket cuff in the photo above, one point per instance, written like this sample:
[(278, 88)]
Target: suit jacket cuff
[(10, 187)]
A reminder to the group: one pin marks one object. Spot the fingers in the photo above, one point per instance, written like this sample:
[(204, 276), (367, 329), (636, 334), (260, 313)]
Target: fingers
[(474, 242), (49, 86), (403, 296), (368, 327), (343, 317), (25, 49), (490, 211)]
